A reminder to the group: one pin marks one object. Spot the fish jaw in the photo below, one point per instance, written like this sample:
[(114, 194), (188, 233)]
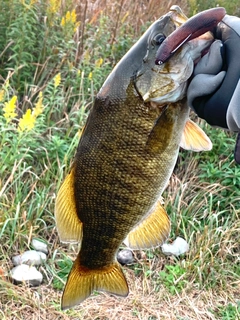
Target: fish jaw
[(177, 15)]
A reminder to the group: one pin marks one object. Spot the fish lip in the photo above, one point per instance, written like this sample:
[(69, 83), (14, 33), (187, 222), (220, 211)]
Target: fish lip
[(177, 15), (162, 100)]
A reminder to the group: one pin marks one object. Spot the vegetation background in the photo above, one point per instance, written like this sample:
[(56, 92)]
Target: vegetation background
[(54, 57)]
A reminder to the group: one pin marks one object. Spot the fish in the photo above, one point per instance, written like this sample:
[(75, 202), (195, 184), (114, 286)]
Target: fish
[(125, 157)]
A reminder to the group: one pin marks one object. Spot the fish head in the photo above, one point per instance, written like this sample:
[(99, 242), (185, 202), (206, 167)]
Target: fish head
[(167, 83)]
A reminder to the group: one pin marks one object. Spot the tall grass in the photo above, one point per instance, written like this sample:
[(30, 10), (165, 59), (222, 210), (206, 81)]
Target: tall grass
[(232, 7), (54, 57)]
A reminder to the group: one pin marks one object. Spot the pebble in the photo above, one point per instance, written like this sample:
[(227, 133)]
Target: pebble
[(125, 256), (30, 257), (178, 247), (25, 273), (39, 246)]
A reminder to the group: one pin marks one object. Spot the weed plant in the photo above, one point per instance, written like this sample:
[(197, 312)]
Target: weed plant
[(54, 57), (230, 312), (232, 7)]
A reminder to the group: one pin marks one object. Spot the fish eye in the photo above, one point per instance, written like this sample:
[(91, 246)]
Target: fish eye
[(158, 39)]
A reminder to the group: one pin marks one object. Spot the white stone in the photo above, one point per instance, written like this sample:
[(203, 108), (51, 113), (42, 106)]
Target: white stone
[(25, 273), (30, 257), (179, 246), (125, 256), (39, 246)]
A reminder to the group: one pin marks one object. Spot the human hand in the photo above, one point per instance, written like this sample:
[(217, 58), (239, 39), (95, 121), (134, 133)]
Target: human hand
[(214, 92)]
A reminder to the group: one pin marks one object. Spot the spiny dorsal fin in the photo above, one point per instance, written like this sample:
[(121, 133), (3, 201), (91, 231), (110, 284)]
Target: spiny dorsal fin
[(69, 226), (83, 281), (194, 138), (152, 231)]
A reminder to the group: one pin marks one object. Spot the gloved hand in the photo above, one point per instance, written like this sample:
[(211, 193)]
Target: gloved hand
[(214, 92)]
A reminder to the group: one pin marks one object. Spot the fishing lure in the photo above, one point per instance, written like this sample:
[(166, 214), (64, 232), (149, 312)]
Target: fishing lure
[(191, 29)]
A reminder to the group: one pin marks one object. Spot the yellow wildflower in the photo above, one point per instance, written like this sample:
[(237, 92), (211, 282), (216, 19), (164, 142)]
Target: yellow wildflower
[(68, 17), (63, 22), (90, 76), (2, 94), (70, 20), (73, 16), (53, 6), (77, 24), (9, 109), (57, 80), (99, 62), (38, 106), (27, 122)]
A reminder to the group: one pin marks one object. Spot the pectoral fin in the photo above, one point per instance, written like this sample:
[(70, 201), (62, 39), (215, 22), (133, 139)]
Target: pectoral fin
[(69, 226), (194, 138), (151, 232), (161, 133)]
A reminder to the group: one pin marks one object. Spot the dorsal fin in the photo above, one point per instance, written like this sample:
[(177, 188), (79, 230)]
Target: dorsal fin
[(194, 138)]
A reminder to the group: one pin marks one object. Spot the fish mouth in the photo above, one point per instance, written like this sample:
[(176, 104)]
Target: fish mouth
[(173, 96), (167, 82)]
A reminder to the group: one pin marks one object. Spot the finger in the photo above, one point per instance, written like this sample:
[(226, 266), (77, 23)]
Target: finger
[(232, 22), (212, 62), (203, 85)]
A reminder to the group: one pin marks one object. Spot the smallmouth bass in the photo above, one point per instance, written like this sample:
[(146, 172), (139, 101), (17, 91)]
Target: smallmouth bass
[(125, 157)]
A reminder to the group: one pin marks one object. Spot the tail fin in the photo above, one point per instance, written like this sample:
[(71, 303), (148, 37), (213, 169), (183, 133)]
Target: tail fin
[(83, 281)]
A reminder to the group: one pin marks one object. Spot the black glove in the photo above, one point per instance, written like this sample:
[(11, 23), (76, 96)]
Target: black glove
[(214, 92)]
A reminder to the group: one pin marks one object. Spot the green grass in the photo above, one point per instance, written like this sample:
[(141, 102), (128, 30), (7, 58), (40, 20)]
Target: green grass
[(202, 198), (173, 278), (230, 312)]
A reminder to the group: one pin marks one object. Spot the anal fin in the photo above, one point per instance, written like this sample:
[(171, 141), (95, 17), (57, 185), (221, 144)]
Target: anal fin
[(194, 138), (69, 226), (82, 281), (152, 231)]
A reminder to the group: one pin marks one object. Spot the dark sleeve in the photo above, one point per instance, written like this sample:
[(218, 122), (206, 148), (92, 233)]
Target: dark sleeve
[(213, 107)]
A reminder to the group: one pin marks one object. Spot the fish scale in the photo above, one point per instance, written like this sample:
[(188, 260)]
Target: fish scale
[(124, 209), (124, 159)]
